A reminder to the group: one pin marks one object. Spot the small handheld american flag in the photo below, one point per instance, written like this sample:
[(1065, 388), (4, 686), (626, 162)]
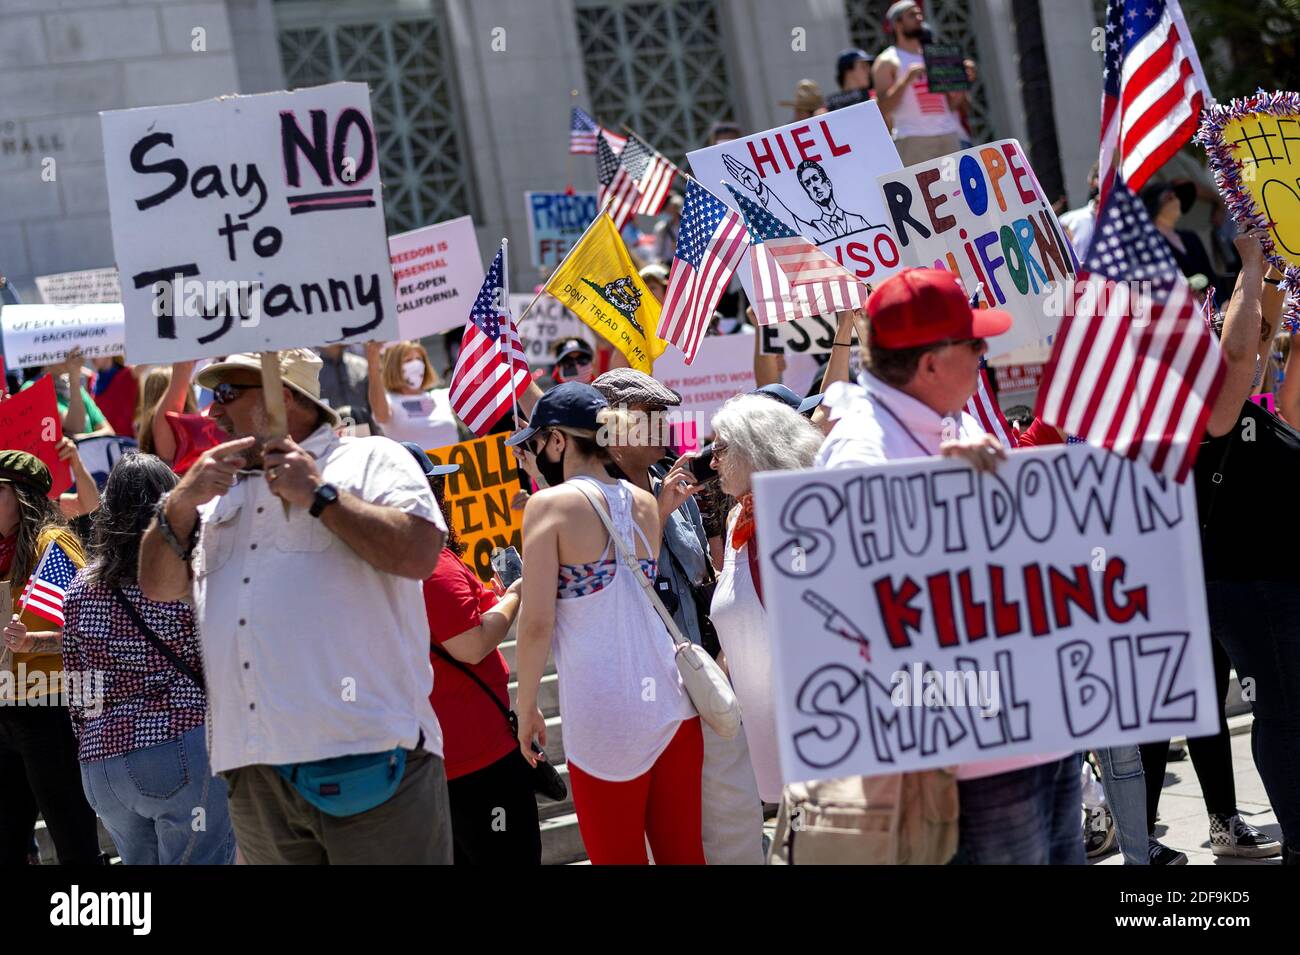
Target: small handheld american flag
[(44, 593)]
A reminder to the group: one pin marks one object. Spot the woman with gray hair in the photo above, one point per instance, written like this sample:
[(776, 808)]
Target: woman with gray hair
[(753, 433)]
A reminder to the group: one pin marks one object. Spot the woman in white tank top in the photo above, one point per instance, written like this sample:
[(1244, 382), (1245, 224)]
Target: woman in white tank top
[(753, 433), (632, 739)]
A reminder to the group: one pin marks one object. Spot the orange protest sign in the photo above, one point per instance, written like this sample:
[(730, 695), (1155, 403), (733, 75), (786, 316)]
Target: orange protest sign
[(30, 421), (478, 498)]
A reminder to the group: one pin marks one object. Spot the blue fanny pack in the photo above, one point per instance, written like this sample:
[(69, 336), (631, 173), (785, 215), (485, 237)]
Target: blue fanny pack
[(348, 785)]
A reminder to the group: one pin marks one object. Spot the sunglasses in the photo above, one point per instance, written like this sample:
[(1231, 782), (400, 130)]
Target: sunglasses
[(569, 367), (224, 393)]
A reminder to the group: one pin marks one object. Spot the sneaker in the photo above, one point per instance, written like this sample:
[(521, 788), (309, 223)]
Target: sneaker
[(1177, 752), (1099, 833), (1233, 836), (1161, 854)]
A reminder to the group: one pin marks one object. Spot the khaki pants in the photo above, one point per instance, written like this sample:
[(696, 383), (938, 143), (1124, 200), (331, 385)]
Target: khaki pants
[(918, 149), (274, 825)]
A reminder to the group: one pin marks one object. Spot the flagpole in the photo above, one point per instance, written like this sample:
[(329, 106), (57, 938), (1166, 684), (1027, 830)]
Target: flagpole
[(503, 340), (27, 592), (568, 162), (572, 248)]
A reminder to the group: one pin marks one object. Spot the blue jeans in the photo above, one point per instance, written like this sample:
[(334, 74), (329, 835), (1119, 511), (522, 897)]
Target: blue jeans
[(150, 800), (1028, 816), (1258, 623), (1126, 795)]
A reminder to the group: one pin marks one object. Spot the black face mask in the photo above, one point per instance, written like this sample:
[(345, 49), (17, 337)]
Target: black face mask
[(552, 471)]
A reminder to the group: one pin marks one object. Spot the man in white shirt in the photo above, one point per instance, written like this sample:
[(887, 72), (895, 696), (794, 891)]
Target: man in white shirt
[(304, 557), (1078, 222), (926, 125), (924, 343)]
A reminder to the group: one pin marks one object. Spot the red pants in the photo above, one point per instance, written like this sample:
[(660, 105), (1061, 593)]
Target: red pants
[(662, 804)]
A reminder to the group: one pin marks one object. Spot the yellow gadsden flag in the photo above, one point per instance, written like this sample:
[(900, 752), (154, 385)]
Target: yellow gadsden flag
[(599, 284)]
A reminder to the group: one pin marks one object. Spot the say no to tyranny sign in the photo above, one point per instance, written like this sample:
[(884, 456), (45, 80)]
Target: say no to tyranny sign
[(924, 615)]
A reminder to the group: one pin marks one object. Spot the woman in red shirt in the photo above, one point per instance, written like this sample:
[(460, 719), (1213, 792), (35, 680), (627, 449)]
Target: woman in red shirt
[(493, 806)]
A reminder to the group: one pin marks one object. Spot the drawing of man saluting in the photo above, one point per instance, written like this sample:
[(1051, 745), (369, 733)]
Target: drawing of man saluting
[(833, 223)]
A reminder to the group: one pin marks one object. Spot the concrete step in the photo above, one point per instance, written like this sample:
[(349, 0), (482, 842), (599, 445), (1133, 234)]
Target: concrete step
[(561, 841), (507, 649), (548, 694)]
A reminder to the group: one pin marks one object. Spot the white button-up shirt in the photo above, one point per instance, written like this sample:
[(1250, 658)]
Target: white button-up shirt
[(309, 651), (876, 423)]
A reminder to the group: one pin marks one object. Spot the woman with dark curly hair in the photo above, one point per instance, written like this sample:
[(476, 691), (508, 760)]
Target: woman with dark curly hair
[(493, 806), (38, 751), (142, 745)]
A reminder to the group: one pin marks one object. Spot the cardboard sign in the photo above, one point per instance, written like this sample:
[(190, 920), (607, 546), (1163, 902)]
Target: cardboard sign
[(249, 223), (101, 452), (438, 272), (816, 176), (802, 336), (1018, 377), (924, 615), (723, 368), (39, 335), (547, 323), (556, 220), (88, 287), (30, 421), (479, 495), (945, 68), (981, 214)]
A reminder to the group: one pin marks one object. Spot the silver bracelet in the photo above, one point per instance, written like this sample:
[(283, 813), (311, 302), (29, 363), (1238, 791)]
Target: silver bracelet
[(169, 535)]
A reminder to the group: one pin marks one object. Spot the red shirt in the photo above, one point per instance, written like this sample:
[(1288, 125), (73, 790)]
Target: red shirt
[(117, 400), (475, 733), (1038, 434)]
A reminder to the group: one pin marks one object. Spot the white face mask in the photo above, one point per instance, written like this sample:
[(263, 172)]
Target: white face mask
[(413, 373)]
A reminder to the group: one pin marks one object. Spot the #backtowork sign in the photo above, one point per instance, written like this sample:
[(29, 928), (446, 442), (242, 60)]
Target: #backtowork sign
[(818, 177), (924, 615), (437, 271), (249, 223), (39, 335), (981, 214)]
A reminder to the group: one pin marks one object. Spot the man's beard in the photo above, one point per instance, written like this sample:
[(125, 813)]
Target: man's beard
[(914, 34)]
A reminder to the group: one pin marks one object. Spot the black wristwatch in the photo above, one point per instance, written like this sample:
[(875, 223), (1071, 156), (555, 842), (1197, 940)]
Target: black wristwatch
[(325, 495)]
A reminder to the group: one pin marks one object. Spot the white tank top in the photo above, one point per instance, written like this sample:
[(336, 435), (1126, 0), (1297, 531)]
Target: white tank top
[(743, 631), (621, 697), (919, 112)]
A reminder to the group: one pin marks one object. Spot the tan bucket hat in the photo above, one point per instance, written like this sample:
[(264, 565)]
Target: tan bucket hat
[(299, 369)]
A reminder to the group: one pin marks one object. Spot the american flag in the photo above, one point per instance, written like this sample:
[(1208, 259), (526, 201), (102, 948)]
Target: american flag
[(985, 410), (584, 131), (710, 244), (482, 386), (607, 168), (792, 277), (1153, 89), (640, 184), (44, 593), (1133, 368)]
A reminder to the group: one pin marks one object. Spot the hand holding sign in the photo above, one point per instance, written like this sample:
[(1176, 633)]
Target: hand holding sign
[(290, 472)]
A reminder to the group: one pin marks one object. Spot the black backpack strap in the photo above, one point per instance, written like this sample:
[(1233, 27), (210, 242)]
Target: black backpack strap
[(505, 710), (156, 642)]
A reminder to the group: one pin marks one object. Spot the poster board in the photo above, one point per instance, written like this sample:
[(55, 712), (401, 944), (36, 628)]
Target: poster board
[(30, 421), (945, 68), (249, 223), (547, 323), (817, 176), (39, 335), (723, 368), (87, 287), (981, 214), (479, 495), (437, 271), (923, 615), (556, 220)]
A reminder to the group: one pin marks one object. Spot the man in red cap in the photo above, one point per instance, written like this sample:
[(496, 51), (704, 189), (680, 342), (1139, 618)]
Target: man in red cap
[(924, 343)]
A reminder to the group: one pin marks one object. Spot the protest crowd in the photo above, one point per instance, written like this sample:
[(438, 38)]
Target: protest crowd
[(368, 592)]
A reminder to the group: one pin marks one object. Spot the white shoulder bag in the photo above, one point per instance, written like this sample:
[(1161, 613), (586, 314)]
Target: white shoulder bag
[(707, 686)]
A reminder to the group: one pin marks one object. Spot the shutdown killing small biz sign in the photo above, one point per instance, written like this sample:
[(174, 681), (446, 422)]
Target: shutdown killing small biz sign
[(925, 615)]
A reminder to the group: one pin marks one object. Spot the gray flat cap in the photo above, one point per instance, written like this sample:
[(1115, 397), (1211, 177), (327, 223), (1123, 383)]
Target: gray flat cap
[(627, 386)]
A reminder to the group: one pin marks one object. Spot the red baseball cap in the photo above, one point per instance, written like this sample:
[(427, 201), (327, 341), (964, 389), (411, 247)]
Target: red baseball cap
[(923, 306)]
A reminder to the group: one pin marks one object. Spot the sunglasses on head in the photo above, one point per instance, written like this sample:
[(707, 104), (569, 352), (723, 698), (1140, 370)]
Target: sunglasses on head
[(224, 393)]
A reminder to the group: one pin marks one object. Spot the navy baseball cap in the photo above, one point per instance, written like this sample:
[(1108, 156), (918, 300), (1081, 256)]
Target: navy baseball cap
[(787, 396), (573, 346), (426, 464), (570, 405), (850, 58)]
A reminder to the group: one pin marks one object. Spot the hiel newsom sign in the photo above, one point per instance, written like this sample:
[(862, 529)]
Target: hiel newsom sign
[(249, 223), (924, 615)]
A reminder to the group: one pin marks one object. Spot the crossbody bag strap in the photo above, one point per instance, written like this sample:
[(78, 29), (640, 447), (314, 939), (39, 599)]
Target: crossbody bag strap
[(154, 639), (463, 668), (631, 563), (1216, 481)]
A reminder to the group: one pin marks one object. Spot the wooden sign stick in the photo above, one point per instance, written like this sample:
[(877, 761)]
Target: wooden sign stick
[(273, 394)]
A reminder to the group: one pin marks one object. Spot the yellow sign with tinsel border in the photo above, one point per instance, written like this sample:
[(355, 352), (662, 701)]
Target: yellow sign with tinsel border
[(479, 495)]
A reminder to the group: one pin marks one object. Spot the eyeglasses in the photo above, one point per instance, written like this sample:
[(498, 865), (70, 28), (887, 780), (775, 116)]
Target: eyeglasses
[(537, 442), (569, 367), (719, 449), (224, 393)]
